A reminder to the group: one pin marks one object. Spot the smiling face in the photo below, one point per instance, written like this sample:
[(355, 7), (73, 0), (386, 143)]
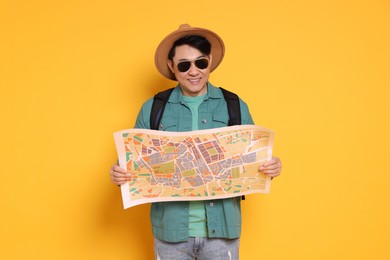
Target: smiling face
[(193, 82)]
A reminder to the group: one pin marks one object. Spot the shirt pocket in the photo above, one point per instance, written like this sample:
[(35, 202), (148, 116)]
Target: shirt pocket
[(168, 124), (220, 119)]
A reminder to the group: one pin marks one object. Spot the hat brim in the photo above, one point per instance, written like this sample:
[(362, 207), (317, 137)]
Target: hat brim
[(162, 51)]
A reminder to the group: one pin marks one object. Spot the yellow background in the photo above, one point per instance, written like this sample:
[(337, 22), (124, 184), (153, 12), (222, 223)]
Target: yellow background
[(74, 72)]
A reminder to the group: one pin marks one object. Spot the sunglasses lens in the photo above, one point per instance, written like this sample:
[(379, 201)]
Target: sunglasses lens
[(184, 66), (202, 63)]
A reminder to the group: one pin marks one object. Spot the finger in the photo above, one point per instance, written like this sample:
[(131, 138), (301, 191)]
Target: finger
[(119, 181), (270, 168), (122, 174), (273, 161), (116, 168), (271, 171)]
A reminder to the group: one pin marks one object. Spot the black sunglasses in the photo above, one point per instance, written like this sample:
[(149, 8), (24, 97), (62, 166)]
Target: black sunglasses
[(186, 65)]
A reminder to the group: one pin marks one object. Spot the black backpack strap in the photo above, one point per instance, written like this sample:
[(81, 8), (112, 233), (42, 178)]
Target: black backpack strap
[(158, 106), (233, 105)]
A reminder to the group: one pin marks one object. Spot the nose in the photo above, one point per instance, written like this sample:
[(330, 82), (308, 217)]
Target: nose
[(193, 69)]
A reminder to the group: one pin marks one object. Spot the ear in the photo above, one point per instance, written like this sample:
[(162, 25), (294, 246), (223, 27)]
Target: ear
[(211, 59), (170, 65)]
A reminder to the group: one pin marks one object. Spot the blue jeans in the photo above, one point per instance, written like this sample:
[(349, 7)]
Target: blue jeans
[(199, 248)]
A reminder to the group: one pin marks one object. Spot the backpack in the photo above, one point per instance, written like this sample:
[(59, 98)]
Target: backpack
[(161, 98)]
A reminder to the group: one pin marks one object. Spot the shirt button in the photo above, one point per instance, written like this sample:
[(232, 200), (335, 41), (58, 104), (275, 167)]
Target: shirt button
[(204, 121), (211, 204), (213, 231)]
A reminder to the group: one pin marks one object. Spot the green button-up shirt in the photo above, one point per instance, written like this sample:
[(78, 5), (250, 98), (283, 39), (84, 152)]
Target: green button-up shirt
[(170, 219)]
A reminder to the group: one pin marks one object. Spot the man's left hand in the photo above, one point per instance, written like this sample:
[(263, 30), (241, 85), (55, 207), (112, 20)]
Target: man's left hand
[(272, 168)]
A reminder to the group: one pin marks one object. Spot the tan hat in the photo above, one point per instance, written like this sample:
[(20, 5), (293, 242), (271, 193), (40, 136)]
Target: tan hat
[(161, 56)]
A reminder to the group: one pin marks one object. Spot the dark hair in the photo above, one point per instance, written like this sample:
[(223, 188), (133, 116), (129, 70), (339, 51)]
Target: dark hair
[(198, 42)]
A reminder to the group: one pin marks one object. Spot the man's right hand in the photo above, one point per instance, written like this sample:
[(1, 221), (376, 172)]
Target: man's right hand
[(119, 175)]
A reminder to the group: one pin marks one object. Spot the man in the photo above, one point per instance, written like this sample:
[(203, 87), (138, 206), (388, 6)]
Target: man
[(196, 229)]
